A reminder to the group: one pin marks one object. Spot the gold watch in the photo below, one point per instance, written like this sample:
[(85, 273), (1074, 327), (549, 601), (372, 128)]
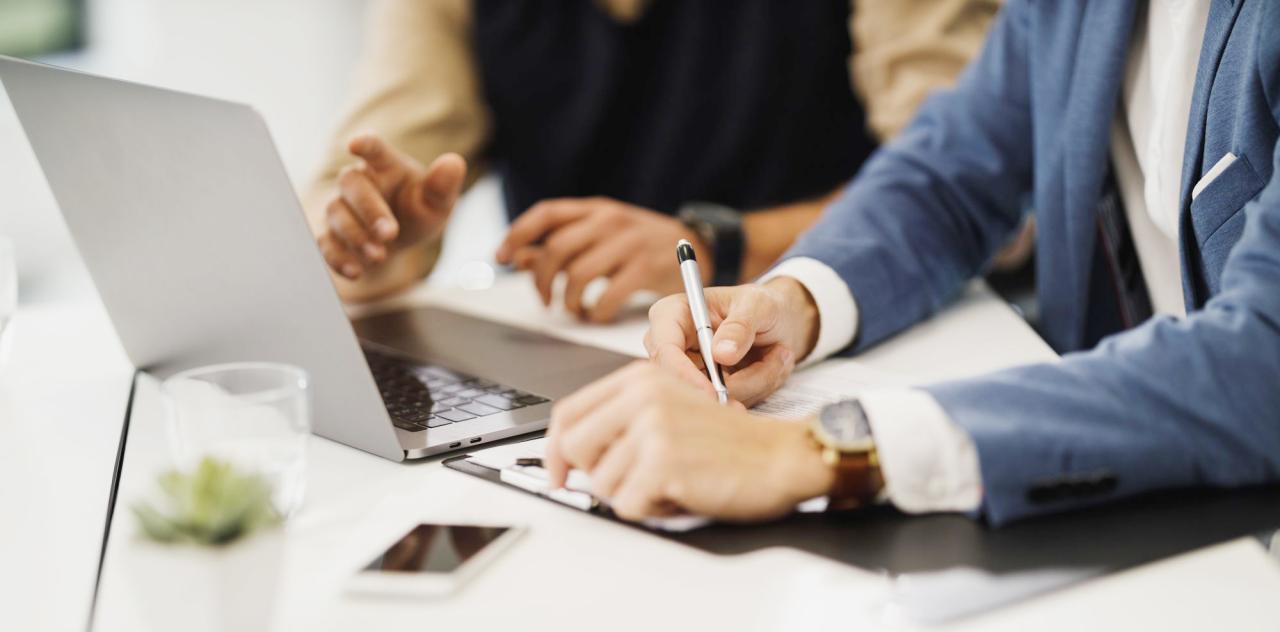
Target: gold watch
[(844, 434)]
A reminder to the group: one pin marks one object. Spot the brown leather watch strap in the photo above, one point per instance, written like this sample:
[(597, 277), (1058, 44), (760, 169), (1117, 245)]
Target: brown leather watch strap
[(858, 480)]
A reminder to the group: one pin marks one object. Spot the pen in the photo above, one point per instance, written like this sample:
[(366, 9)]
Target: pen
[(692, 278)]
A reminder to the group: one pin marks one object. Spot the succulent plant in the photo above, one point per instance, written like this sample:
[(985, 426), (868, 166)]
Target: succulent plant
[(213, 505)]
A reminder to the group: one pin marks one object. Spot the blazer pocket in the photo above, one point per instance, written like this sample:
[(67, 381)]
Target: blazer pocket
[(1222, 195)]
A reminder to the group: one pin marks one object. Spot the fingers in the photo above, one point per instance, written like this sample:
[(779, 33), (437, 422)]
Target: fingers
[(669, 339), (425, 203), (639, 495), (368, 204), (570, 411), (339, 258), (386, 166), (392, 194), (654, 350), (614, 465), (565, 243), (675, 361), (536, 222), (670, 323), (603, 260), (695, 357), (525, 258), (583, 444), (622, 285), (751, 310), (442, 185), (761, 377), (344, 225)]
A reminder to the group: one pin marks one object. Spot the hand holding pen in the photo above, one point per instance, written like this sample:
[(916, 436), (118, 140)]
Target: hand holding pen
[(692, 277), (760, 331)]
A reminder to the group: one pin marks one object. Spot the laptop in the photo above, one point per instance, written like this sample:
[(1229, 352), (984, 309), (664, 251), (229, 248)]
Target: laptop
[(199, 249)]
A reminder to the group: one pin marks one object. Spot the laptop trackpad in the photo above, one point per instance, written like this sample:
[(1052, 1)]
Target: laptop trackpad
[(523, 359)]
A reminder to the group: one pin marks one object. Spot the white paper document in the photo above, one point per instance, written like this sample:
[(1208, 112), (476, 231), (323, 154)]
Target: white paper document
[(809, 390)]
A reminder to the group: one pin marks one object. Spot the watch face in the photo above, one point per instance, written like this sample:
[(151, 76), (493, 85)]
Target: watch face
[(845, 425), (720, 215), (714, 215), (706, 233)]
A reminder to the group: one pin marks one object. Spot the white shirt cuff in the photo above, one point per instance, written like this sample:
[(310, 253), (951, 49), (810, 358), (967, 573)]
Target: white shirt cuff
[(928, 462), (837, 311)]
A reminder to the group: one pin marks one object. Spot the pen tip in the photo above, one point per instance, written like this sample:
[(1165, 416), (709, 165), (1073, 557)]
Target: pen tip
[(684, 251)]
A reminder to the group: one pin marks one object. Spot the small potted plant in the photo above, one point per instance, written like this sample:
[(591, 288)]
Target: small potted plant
[(209, 551)]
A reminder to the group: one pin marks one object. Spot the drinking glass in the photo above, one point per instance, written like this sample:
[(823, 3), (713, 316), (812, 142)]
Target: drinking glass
[(8, 282), (254, 415)]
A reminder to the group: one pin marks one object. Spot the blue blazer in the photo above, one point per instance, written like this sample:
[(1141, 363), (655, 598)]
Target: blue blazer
[(1171, 403)]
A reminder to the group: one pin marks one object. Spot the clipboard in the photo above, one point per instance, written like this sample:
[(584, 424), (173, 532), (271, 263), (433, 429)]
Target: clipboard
[(467, 466), (959, 566)]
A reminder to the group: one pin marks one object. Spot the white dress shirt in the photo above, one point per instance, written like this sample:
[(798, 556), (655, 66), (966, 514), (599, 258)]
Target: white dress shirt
[(928, 462)]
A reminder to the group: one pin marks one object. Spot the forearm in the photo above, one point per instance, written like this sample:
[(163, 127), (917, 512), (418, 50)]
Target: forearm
[(769, 233)]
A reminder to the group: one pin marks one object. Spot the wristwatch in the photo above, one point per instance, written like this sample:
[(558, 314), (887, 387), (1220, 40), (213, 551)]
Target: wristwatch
[(844, 434), (720, 229)]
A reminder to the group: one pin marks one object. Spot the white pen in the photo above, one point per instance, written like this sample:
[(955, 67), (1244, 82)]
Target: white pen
[(692, 277)]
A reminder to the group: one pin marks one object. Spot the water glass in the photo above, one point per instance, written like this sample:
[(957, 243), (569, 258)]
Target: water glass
[(253, 415), (8, 282)]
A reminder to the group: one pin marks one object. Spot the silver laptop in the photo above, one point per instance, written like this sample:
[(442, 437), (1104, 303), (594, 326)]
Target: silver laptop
[(199, 249)]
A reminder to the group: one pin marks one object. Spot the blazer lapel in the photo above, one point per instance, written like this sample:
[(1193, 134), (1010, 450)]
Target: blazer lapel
[(1222, 17), (1096, 75)]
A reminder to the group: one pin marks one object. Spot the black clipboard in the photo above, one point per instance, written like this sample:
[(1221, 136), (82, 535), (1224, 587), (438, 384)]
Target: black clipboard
[(1078, 545)]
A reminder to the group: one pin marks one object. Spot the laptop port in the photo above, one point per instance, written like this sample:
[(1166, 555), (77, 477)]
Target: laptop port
[(455, 444), (475, 440)]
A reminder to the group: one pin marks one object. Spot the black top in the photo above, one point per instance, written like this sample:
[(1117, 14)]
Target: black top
[(744, 103)]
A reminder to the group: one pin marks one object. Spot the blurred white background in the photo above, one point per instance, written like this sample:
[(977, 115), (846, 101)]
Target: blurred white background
[(293, 60)]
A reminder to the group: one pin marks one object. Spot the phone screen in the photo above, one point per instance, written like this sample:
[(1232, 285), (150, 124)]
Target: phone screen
[(435, 548)]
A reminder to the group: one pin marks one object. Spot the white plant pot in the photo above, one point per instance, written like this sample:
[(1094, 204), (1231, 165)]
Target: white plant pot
[(207, 589)]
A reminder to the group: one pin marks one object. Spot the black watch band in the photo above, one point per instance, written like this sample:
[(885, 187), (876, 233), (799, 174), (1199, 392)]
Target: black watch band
[(720, 229)]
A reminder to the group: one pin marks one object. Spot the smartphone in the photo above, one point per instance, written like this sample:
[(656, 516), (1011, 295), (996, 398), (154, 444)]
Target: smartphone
[(432, 559)]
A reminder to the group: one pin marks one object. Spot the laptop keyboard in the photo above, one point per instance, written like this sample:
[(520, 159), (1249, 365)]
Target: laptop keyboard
[(421, 396)]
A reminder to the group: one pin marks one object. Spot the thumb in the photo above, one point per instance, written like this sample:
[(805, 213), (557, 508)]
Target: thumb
[(748, 313), (443, 182)]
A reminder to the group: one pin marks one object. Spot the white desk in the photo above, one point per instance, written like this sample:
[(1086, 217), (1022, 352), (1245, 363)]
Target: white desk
[(64, 381), (572, 571)]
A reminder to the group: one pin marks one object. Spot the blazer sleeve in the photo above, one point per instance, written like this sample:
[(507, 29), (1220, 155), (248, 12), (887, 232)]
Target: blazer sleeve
[(928, 210), (1172, 403)]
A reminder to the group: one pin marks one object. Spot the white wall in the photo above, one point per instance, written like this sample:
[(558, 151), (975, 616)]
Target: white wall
[(291, 59)]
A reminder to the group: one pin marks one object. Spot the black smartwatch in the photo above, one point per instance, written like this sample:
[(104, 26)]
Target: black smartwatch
[(720, 229)]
